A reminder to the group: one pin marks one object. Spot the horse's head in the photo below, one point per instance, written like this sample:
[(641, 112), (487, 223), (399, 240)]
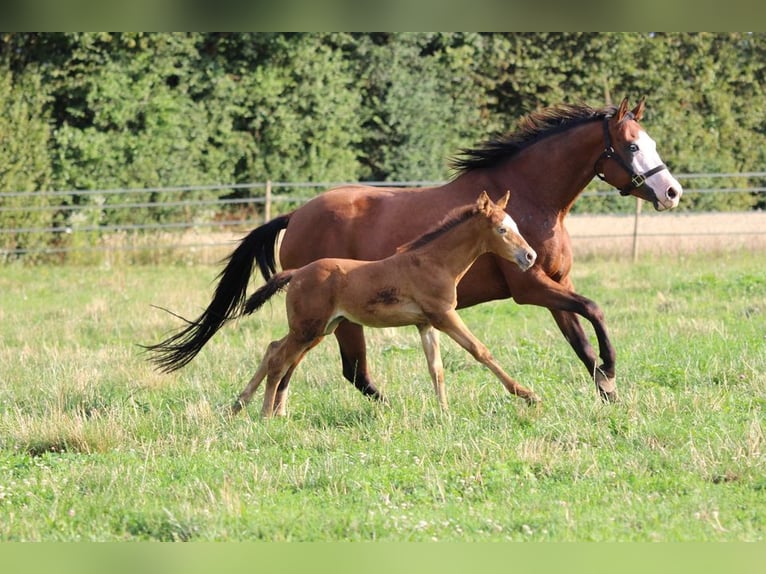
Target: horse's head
[(504, 237), (630, 161)]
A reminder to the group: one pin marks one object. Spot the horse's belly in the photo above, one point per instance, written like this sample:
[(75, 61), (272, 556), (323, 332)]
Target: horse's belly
[(483, 282)]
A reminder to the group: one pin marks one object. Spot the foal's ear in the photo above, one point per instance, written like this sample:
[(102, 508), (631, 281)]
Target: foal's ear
[(638, 111), (483, 204), (503, 202)]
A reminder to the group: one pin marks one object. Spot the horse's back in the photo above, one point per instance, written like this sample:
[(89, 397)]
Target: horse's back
[(354, 222), (323, 226)]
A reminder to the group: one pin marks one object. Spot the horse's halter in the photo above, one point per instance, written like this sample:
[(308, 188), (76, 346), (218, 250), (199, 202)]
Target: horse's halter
[(636, 179)]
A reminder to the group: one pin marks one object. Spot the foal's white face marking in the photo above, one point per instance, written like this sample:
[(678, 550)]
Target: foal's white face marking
[(524, 256), (645, 158), (509, 223)]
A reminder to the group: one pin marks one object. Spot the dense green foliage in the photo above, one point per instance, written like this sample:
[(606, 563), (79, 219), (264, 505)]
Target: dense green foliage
[(95, 445), (135, 110)]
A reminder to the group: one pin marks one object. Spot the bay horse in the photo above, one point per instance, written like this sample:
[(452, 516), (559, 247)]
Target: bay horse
[(415, 286), (548, 160)]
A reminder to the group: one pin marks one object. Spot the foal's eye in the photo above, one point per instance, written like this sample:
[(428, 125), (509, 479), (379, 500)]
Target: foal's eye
[(502, 230), (633, 148)]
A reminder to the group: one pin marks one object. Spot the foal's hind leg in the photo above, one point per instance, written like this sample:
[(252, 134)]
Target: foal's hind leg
[(453, 325), (291, 351), (281, 357), (280, 401), (280, 398), (263, 369)]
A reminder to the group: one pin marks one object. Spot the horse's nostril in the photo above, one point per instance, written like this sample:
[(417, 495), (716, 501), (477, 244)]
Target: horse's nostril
[(672, 193), (531, 256)]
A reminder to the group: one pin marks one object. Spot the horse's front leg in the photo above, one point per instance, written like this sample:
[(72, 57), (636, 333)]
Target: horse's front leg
[(604, 374), (564, 304), (453, 325)]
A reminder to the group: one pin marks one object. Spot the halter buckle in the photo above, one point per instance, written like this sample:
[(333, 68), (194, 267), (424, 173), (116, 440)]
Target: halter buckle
[(637, 180)]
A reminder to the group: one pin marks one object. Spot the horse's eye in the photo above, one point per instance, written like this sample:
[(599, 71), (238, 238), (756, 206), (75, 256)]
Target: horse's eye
[(633, 148), (502, 230)]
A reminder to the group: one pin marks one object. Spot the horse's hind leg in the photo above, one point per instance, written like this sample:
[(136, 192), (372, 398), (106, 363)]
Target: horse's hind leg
[(353, 354)]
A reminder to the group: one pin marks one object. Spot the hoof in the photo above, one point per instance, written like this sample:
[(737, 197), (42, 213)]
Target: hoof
[(379, 399), (607, 387), (533, 399), (234, 409)]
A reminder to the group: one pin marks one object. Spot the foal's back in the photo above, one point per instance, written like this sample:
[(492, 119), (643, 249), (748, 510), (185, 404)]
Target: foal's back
[(373, 293)]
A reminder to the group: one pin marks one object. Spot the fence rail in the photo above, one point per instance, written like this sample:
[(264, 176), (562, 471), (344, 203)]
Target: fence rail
[(229, 211)]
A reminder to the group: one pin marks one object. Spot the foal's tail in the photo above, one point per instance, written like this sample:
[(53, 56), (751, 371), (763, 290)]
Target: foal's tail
[(266, 292), (258, 247)]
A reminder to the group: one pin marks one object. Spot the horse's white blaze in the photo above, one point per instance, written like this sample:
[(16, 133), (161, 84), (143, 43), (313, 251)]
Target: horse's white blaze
[(647, 158)]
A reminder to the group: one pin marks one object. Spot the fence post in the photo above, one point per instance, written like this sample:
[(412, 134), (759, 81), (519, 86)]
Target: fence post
[(639, 203), (267, 208)]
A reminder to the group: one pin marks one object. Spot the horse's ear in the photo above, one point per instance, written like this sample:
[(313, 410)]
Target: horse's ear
[(638, 111), (483, 203), (622, 110), (503, 202)]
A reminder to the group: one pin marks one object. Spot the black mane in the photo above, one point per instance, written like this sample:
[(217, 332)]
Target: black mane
[(530, 129)]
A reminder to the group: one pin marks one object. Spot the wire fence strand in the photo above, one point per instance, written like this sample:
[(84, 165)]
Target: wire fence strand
[(98, 213)]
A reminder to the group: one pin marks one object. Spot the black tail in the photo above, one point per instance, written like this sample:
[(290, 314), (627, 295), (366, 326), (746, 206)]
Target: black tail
[(259, 246), (264, 243)]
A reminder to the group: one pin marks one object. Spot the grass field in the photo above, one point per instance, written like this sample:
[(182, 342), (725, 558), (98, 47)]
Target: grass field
[(95, 445)]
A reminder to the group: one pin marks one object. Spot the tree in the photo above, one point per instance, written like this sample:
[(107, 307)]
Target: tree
[(25, 166)]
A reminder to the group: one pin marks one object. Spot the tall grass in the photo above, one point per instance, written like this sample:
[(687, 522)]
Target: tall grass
[(95, 445)]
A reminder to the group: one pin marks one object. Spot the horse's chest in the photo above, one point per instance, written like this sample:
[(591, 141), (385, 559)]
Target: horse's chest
[(557, 265), (556, 258)]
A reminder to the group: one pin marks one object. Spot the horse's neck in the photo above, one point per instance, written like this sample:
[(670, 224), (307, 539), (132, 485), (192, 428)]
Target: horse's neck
[(553, 172)]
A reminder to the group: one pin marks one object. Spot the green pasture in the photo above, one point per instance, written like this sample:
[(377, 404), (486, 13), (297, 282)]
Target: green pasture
[(95, 445)]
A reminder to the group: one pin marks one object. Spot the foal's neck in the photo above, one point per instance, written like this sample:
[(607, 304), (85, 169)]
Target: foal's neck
[(457, 249)]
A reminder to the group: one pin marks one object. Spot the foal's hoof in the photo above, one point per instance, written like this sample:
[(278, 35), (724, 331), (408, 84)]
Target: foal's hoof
[(235, 409), (607, 387), (533, 399)]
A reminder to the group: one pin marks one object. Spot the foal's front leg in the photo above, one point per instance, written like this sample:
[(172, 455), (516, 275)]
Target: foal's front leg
[(430, 339), (451, 323)]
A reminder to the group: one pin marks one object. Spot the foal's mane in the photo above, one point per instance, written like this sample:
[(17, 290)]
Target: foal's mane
[(451, 220), (529, 129)]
